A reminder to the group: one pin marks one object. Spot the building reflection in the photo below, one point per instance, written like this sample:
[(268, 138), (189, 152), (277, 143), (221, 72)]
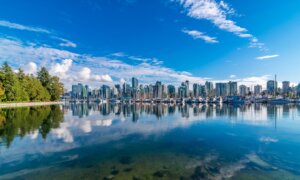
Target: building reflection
[(18, 122), (135, 111)]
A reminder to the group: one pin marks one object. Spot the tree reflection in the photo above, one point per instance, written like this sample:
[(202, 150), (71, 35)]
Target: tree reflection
[(26, 120)]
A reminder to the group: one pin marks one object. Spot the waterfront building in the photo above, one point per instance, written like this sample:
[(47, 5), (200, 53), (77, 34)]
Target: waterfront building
[(105, 92), (181, 91), (233, 88), (244, 90), (298, 90), (209, 89), (164, 91), (158, 90), (135, 83), (203, 91), (196, 90), (286, 87), (222, 89), (257, 90), (272, 87), (171, 91), (126, 90)]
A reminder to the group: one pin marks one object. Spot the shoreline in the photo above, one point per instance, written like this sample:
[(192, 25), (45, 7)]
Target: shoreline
[(27, 104)]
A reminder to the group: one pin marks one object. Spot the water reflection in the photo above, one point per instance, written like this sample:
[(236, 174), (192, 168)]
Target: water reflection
[(22, 121), (135, 111), (29, 120), (171, 141)]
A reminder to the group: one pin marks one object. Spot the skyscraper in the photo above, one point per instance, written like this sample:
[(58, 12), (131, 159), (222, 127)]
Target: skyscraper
[(257, 89), (196, 90), (135, 83), (171, 91), (209, 88), (285, 87), (158, 90), (222, 89), (243, 90), (232, 88), (272, 87)]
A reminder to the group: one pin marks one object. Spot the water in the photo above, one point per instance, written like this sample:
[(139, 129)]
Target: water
[(150, 142)]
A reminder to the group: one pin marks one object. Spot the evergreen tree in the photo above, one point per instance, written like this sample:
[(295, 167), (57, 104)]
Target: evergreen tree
[(10, 83), (21, 87), (52, 84), (56, 88)]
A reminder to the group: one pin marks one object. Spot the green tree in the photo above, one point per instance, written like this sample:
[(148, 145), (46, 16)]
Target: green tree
[(22, 82), (56, 88), (10, 84), (51, 83), (35, 89), (44, 77)]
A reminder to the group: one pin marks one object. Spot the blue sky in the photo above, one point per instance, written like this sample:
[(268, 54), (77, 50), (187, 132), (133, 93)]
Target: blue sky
[(109, 41)]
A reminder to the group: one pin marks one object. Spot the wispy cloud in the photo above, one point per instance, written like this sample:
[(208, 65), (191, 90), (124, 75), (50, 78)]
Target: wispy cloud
[(12, 25), (217, 13), (232, 76), (67, 43), (200, 35), (96, 70), (267, 57)]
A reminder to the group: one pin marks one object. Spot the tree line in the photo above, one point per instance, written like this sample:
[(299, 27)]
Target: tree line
[(21, 87)]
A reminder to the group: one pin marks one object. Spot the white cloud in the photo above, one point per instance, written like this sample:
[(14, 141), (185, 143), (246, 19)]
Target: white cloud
[(232, 76), (94, 71), (217, 13), (200, 35), (102, 78), (61, 70), (119, 54), (67, 43), (22, 27), (30, 68), (267, 57), (86, 75), (212, 11)]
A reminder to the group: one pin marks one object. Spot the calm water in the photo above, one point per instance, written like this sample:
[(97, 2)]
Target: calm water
[(150, 142)]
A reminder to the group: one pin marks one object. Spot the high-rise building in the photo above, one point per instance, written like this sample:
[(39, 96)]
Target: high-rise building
[(298, 90), (171, 91), (244, 90), (164, 91), (257, 89), (196, 90), (75, 92), (126, 91), (105, 92), (222, 89), (158, 90), (209, 88), (285, 87), (203, 91), (181, 91), (119, 90), (272, 87), (135, 83), (233, 89)]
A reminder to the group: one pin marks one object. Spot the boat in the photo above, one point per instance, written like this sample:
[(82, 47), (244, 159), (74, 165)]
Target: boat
[(280, 101)]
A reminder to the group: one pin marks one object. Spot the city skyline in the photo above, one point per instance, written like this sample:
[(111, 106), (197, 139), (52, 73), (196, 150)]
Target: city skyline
[(111, 40), (159, 90)]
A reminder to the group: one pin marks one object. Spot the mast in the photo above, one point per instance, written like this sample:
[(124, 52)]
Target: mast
[(275, 85)]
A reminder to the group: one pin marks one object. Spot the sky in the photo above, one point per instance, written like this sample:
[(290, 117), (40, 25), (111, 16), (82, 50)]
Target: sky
[(109, 41)]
